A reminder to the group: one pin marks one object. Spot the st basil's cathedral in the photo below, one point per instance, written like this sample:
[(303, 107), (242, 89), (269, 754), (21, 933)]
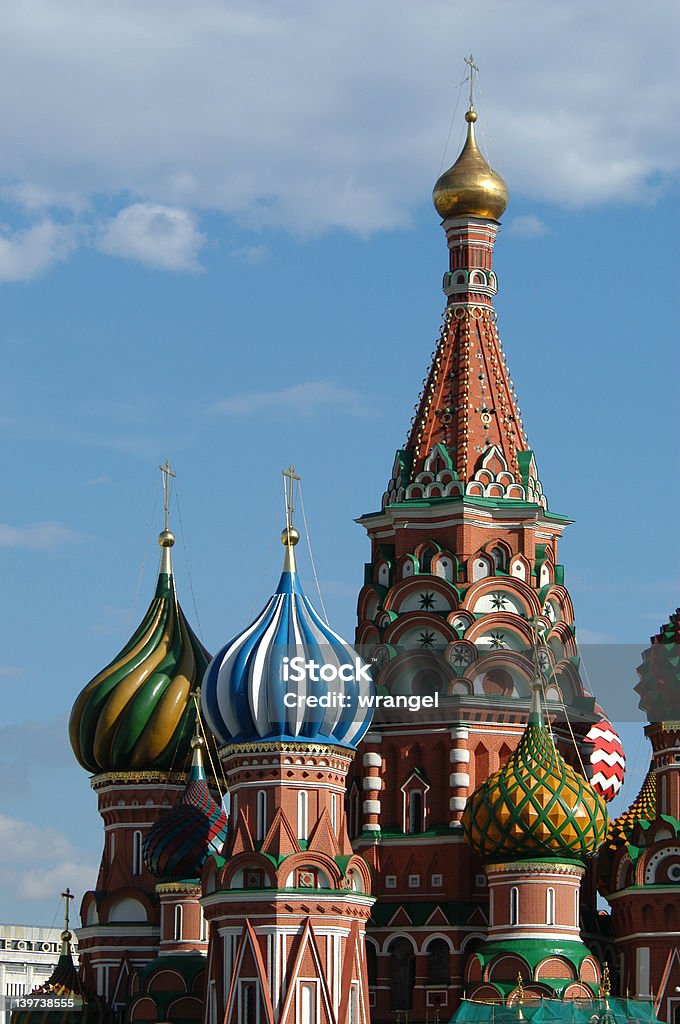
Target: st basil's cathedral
[(378, 863)]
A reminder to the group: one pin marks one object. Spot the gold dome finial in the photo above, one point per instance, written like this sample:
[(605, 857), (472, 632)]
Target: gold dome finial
[(289, 536), (470, 188), (197, 740), (166, 537)]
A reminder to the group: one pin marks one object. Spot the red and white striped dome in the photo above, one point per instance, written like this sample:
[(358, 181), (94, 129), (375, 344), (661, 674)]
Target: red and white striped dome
[(607, 761)]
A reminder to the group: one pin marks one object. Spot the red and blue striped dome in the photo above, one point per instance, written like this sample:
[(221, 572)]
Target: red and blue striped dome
[(249, 692), (182, 840)]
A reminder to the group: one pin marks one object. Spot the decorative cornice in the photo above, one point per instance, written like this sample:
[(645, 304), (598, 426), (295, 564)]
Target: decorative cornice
[(285, 747), (191, 888), (535, 867), (133, 778)]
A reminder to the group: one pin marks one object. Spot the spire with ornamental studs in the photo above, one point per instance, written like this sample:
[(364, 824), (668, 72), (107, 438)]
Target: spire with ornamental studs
[(467, 432)]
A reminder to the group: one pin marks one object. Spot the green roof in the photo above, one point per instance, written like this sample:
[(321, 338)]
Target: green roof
[(557, 1011), (456, 912)]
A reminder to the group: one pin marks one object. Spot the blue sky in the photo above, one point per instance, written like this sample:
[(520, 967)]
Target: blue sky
[(217, 246)]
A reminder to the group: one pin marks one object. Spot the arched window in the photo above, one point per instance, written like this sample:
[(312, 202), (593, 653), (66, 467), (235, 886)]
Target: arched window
[(204, 927), (353, 1014), (112, 845), (234, 807), (261, 814), (415, 812), (334, 812), (499, 558), (577, 907), (354, 811), (178, 922), (402, 974), (550, 907), (438, 963), (136, 853), (372, 964), (248, 1002), (307, 1002), (426, 557), (303, 806), (514, 905)]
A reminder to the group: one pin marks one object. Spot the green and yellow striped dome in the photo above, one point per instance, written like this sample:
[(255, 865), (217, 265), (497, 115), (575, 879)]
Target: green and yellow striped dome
[(138, 713), (536, 805)]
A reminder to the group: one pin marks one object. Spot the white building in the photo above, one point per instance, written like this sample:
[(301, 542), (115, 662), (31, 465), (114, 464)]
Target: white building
[(28, 955)]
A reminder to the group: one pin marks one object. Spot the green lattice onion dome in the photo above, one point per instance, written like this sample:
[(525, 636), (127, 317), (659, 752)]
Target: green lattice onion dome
[(659, 685), (138, 713), (536, 805)]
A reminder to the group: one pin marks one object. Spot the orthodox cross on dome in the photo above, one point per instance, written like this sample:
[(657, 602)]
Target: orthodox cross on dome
[(68, 896), (470, 61), (167, 473), (289, 478)]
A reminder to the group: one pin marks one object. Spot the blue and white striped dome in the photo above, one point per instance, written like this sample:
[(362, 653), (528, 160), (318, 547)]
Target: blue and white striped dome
[(245, 686)]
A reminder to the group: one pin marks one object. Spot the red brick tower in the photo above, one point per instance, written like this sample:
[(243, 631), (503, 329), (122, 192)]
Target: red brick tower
[(131, 727), (287, 900), (640, 870), (463, 596), (534, 824)]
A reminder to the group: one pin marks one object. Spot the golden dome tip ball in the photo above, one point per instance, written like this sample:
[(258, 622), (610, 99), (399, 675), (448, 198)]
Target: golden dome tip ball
[(470, 188), (290, 536), (166, 539), (66, 935), (197, 741)]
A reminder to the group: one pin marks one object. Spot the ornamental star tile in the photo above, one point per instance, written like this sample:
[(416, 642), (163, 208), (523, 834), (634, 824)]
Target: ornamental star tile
[(427, 600), (461, 655), (498, 600), (497, 640), (426, 638)]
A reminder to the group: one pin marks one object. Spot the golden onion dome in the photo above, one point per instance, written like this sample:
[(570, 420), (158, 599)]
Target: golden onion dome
[(470, 188), (536, 805)]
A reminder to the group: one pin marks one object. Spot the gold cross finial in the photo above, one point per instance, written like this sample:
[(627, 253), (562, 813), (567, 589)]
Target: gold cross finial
[(289, 476), (520, 996), (470, 61), (167, 473), (68, 896), (606, 987)]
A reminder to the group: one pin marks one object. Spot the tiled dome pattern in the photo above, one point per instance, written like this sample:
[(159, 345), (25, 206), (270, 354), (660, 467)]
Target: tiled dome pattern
[(536, 805)]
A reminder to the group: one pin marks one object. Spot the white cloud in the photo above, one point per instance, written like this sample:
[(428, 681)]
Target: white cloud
[(10, 671), (300, 115), (527, 226), (35, 535), (162, 237), (36, 862), (25, 254), (99, 481), (304, 400), (253, 254)]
